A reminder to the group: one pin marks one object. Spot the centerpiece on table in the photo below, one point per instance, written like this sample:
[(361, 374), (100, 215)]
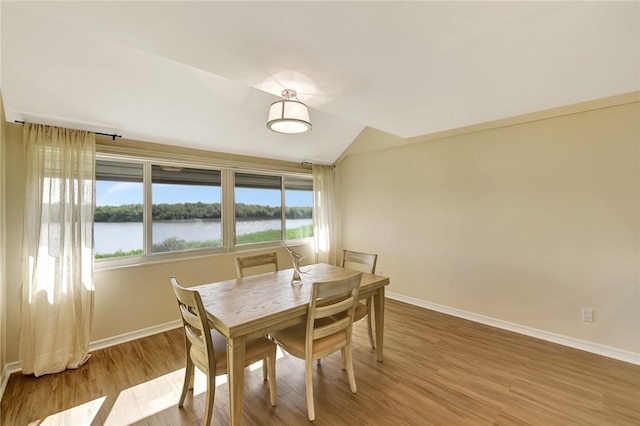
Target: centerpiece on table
[(295, 260)]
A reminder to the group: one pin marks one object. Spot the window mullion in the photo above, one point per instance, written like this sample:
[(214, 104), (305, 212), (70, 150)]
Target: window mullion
[(228, 210), (283, 213), (147, 217)]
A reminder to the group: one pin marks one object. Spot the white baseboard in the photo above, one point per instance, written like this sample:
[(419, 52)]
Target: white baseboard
[(6, 373), (14, 367), (621, 355), (134, 335)]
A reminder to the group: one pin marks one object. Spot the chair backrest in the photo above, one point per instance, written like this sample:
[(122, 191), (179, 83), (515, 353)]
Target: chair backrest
[(198, 339), (332, 298), (368, 260), (245, 262)]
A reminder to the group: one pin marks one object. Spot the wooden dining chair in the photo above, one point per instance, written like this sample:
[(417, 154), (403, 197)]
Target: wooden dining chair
[(245, 262), (321, 334), (365, 262), (207, 349)]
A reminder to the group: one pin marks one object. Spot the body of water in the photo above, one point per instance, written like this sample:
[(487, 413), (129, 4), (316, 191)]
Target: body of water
[(110, 237)]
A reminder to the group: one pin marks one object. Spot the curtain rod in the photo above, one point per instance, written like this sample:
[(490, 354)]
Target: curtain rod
[(309, 163), (113, 136)]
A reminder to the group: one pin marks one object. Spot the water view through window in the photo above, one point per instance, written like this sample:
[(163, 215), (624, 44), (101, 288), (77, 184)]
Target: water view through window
[(128, 237), (187, 210)]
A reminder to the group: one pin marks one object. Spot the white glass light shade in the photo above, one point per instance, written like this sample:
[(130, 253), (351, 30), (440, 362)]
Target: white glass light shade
[(288, 116)]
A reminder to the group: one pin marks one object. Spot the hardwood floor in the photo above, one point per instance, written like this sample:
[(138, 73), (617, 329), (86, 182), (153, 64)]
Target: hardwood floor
[(438, 370)]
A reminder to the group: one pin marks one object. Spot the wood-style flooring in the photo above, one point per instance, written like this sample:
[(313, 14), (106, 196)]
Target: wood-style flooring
[(438, 370)]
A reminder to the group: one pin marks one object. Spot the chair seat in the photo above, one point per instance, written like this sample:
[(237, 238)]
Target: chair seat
[(361, 311), (293, 338), (253, 349)]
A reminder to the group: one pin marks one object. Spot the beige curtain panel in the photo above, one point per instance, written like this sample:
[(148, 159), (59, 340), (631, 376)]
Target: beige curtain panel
[(325, 214), (57, 277)]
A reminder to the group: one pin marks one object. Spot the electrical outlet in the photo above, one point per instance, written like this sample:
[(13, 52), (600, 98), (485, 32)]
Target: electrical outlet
[(587, 314)]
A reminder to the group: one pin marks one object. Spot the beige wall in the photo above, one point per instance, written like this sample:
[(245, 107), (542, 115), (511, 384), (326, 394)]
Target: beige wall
[(525, 223), (127, 299), (3, 282)]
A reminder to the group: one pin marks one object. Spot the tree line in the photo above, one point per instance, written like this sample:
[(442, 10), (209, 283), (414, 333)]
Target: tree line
[(185, 211)]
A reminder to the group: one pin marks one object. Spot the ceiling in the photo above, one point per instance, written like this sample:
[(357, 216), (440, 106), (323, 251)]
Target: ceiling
[(203, 74)]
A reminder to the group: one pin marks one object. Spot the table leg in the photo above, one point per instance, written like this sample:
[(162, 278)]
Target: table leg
[(378, 305), (235, 361)]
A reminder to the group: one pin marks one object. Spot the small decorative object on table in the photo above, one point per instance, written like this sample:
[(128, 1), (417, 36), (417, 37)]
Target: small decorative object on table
[(295, 260)]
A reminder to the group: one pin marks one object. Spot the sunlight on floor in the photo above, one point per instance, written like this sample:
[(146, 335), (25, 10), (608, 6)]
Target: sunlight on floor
[(154, 396), (138, 402), (82, 414), (151, 397)]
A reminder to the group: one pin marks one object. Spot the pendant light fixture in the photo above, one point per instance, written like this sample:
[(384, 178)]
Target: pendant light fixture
[(289, 115)]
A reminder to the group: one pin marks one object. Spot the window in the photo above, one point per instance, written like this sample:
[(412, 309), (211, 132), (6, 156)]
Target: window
[(118, 229), (146, 208), (299, 207), (186, 209), (258, 212), (259, 206)]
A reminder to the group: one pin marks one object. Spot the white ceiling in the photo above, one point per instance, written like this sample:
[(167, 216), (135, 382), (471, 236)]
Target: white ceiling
[(203, 74)]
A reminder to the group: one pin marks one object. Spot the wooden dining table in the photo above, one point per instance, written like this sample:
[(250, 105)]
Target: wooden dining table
[(245, 308)]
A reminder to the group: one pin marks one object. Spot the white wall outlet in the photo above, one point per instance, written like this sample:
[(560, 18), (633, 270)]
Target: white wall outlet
[(587, 314)]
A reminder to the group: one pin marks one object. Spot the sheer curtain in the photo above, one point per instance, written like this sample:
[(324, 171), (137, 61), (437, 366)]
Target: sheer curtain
[(57, 274), (325, 214)]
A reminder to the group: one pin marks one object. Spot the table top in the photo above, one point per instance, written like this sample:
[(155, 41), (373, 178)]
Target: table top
[(259, 304)]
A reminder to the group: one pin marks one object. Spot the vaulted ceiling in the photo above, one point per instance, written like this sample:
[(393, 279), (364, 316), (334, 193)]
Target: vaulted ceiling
[(203, 74)]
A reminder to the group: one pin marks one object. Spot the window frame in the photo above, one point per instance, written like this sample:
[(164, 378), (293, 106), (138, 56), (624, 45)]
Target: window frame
[(227, 189)]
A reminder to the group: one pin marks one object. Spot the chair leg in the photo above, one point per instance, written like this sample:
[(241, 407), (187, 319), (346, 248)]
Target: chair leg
[(271, 361), (211, 392), (188, 381), (369, 324), (308, 376), (349, 361)]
